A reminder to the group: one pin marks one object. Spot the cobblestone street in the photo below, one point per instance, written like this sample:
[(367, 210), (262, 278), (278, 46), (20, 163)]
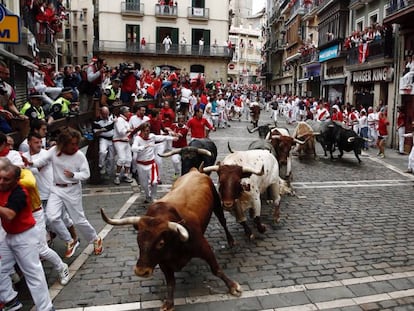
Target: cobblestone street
[(345, 242)]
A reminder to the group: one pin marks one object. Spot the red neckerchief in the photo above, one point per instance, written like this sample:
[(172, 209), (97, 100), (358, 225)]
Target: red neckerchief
[(5, 151), (143, 137), (68, 153)]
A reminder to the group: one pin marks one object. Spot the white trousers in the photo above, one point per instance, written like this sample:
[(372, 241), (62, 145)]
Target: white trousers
[(146, 174), (176, 161), (106, 153), (45, 251), (123, 150), (401, 138), (411, 160), (69, 199), (22, 249)]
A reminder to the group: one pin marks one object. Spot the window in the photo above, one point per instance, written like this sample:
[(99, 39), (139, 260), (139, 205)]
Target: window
[(132, 34), (359, 24), (373, 18)]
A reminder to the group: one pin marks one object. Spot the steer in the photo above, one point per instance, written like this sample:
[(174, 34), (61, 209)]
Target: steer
[(305, 133), (283, 142), (197, 152), (243, 176), (172, 231)]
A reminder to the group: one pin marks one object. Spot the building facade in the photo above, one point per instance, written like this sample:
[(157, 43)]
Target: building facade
[(189, 36)]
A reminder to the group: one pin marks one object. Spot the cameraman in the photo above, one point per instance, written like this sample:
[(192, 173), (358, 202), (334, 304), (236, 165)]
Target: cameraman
[(7, 97)]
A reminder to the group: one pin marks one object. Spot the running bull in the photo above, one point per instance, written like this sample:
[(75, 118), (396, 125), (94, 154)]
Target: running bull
[(172, 231), (197, 152), (243, 176)]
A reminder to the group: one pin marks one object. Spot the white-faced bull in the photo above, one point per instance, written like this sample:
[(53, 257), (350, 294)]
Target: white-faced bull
[(243, 176), (172, 231)]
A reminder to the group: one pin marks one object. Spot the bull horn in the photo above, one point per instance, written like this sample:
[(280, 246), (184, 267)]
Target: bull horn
[(212, 168), (253, 171), (252, 130), (367, 139), (182, 232), (350, 139), (170, 153), (119, 222), (276, 136), (204, 152), (299, 141), (316, 133), (228, 146), (201, 167)]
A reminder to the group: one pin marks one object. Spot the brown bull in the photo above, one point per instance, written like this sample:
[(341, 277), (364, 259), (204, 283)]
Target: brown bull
[(172, 231), (282, 142), (305, 133)]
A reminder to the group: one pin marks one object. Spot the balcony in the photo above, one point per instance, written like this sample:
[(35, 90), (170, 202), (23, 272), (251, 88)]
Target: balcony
[(132, 9), (309, 57), (198, 13), (378, 49), (155, 49), (165, 11), (356, 4), (399, 12)]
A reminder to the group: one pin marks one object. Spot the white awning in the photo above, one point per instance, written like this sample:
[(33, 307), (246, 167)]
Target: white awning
[(302, 80), (18, 59), (293, 57)]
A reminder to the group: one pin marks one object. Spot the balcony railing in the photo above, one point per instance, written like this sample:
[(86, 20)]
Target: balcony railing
[(398, 6), (158, 49), (132, 8), (310, 57), (376, 50), (168, 11), (198, 13)]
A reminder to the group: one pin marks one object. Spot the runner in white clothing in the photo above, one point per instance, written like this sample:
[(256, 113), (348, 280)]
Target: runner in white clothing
[(144, 147), (70, 168)]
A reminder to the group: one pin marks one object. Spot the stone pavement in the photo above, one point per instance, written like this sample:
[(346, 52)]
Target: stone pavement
[(345, 242)]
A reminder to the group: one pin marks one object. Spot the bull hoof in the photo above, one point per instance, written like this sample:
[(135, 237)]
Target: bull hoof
[(251, 237), (276, 219), (261, 228), (236, 290), (167, 306)]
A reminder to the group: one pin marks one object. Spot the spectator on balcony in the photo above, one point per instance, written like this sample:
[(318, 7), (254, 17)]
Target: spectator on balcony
[(200, 46), (407, 78), (183, 43), (167, 43), (143, 43)]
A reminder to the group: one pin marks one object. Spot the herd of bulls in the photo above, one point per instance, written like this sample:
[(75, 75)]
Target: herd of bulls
[(172, 231)]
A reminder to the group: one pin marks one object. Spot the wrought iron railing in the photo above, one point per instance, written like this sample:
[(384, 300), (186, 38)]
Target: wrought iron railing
[(158, 48), (376, 49), (396, 6)]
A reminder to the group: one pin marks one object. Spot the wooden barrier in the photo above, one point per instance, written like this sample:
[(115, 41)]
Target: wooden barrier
[(20, 130)]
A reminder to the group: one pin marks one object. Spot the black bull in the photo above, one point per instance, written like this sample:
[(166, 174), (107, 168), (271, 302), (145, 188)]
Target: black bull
[(197, 152), (334, 134)]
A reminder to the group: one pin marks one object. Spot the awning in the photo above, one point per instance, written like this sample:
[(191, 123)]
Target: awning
[(334, 81), (18, 59), (293, 57), (302, 80)]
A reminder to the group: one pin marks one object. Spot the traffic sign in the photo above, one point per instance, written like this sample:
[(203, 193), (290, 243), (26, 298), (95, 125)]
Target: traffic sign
[(9, 27)]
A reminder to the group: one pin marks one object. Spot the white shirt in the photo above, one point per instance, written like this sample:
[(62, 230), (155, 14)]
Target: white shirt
[(44, 175), (136, 121)]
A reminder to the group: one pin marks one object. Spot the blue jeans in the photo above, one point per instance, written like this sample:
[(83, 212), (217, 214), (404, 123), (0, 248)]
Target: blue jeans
[(363, 132)]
